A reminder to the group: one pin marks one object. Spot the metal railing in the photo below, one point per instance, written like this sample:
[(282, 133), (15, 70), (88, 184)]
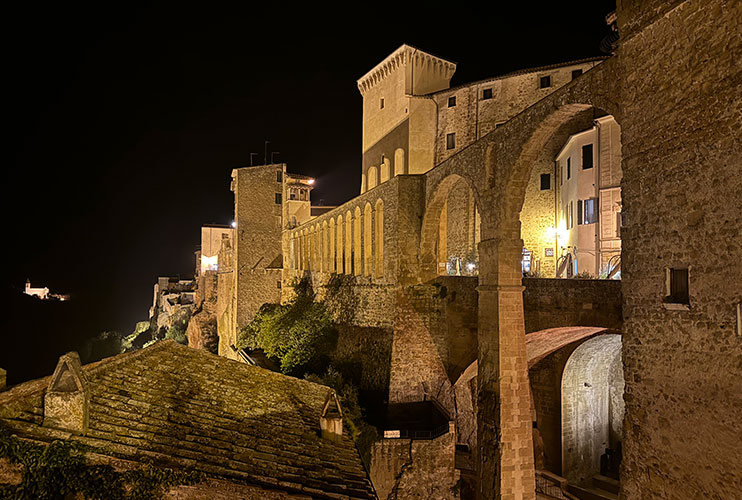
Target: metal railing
[(552, 486)]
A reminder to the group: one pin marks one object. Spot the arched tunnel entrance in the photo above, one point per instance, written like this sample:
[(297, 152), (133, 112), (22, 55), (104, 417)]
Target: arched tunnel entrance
[(592, 410)]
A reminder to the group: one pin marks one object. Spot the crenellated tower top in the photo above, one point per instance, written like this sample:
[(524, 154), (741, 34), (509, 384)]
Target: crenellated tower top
[(412, 60)]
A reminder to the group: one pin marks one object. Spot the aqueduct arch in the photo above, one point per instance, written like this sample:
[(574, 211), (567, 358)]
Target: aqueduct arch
[(437, 193), (499, 167)]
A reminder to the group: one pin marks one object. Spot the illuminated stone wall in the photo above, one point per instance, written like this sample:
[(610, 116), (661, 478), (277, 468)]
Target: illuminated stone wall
[(473, 117), (682, 110)]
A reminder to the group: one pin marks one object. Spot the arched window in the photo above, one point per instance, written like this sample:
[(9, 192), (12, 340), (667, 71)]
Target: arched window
[(331, 248), (372, 179), (399, 161), (348, 243), (357, 263), (379, 239), (339, 246), (386, 166), (368, 250), (325, 247)]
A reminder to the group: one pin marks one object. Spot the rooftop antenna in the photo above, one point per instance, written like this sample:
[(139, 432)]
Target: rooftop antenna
[(251, 157), (265, 153), (274, 153)]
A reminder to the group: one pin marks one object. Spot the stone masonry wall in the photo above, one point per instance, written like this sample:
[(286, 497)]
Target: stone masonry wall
[(682, 110), (415, 469), (550, 303), (472, 117)]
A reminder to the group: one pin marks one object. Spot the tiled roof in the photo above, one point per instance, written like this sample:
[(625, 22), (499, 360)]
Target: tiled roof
[(185, 407)]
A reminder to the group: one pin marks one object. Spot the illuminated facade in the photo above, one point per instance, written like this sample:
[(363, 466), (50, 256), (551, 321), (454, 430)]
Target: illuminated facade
[(589, 201)]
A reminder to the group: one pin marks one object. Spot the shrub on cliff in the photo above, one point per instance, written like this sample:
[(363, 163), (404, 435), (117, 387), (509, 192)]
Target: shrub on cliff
[(301, 334)]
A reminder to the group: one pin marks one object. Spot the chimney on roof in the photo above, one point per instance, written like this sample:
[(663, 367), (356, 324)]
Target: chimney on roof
[(331, 421), (67, 397), (3, 375)]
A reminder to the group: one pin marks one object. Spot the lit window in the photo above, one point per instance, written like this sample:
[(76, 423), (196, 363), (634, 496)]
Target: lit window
[(545, 82), (451, 141), (591, 211), (486, 94), (545, 182), (587, 156), (452, 101), (576, 73)]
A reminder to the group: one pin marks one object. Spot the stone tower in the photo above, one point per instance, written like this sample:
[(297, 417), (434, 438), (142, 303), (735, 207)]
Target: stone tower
[(398, 121)]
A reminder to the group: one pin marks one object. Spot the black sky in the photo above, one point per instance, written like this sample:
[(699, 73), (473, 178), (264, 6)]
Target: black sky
[(124, 123)]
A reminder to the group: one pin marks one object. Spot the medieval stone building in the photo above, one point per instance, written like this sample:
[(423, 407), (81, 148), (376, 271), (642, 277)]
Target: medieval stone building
[(442, 273)]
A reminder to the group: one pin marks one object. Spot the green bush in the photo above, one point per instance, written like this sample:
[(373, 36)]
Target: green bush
[(300, 334), (177, 333), (60, 470)]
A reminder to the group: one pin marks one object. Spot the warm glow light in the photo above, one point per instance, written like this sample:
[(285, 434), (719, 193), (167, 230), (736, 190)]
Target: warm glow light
[(209, 263), (234, 223), (560, 232), (471, 266), (310, 181)]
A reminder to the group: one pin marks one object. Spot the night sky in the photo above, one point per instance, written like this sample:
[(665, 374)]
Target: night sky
[(123, 126)]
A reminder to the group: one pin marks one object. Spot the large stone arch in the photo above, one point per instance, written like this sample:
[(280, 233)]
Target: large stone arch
[(505, 452), (437, 190)]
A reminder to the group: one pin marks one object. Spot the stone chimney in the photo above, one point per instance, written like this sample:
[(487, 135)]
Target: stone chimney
[(67, 398), (3, 375), (331, 421)]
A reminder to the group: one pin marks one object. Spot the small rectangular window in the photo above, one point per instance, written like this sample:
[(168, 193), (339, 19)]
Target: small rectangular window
[(580, 218), (278, 198), (279, 176), (381, 103), (569, 168), (451, 141), (587, 156), (576, 73), (545, 182), (278, 284), (545, 82), (486, 94), (677, 287), (452, 101), (561, 177)]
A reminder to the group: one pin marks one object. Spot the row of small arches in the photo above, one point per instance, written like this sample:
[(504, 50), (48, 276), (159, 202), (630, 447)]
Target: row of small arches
[(347, 244), (375, 175)]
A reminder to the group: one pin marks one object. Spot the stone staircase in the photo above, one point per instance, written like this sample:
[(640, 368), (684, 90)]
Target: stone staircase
[(601, 488)]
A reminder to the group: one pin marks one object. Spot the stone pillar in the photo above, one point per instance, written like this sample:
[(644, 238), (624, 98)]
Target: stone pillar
[(505, 465)]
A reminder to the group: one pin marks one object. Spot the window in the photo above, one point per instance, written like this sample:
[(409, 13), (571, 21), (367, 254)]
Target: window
[(486, 94), (569, 168), (381, 103), (451, 141), (571, 215), (292, 195), (587, 156), (278, 284), (278, 198), (580, 218), (545, 82), (576, 73), (591, 211), (279, 176), (677, 287), (561, 177), (545, 182), (452, 101)]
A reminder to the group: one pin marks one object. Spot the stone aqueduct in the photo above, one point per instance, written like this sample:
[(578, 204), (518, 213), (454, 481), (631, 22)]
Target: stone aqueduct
[(497, 168)]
